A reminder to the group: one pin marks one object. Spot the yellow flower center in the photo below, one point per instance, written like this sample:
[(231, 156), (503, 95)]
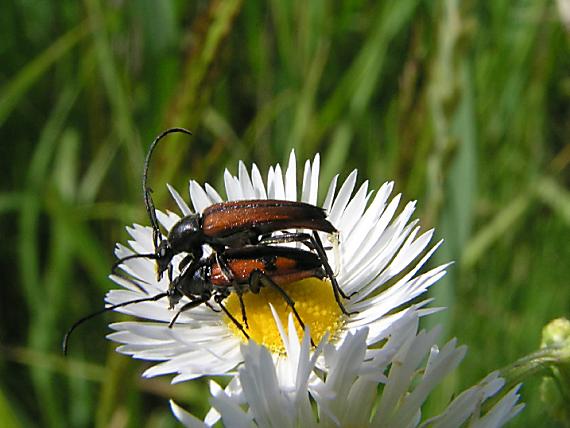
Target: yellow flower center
[(314, 301)]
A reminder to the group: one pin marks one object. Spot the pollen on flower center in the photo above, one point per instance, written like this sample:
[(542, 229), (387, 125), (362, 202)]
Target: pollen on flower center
[(314, 301)]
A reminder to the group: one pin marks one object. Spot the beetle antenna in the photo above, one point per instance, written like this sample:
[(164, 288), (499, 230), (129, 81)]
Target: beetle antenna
[(132, 256), (148, 202), (117, 264), (102, 311)]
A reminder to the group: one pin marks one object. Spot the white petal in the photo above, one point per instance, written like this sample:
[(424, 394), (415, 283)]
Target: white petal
[(363, 392), (278, 185), (179, 201), (233, 189), (245, 182), (354, 251), (199, 197), (342, 198), (467, 403), (260, 387), (167, 219), (404, 365), (232, 414), (258, 185), (212, 194), (330, 194), (233, 390), (443, 363), (306, 186), (353, 211), (502, 412), (315, 169), (186, 418), (291, 178), (143, 238)]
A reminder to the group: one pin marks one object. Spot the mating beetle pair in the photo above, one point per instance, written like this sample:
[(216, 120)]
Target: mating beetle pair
[(239, 233), (245, 269)]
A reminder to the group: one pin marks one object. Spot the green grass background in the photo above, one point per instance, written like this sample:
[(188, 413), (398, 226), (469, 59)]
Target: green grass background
[(464, 104)]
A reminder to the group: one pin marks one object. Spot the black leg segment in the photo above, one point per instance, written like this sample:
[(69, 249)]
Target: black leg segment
[(313, 242)]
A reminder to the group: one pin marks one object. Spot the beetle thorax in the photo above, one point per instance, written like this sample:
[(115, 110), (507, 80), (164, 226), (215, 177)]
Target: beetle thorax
[(186, 235), (198, 284)]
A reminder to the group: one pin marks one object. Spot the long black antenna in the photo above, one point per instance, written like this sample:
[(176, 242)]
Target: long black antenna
[(118, 263), (102, 311), (149, 204), (150, 209)]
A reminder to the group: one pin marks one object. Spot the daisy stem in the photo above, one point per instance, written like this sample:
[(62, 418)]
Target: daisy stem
[(541, 362), (552, 362)]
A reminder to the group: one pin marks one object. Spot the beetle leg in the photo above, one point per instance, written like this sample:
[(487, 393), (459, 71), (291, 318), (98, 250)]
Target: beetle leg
[(288, 237), (257, 279), (336, 288), (314, 243), (224, 267), (242, 306), (227, 272), (334, 240), (185, 262), (218, 299), (192, 304), (194, 265), (208, 304)]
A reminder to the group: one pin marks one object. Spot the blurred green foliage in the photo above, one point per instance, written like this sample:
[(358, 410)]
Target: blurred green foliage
[(464, 104)]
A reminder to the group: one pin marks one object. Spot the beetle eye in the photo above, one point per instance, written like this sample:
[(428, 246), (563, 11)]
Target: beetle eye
[(162, 250)]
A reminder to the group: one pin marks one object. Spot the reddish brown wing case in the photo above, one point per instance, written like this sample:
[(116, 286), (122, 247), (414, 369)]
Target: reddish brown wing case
[(282, 264), (262, 216), (285, 273)]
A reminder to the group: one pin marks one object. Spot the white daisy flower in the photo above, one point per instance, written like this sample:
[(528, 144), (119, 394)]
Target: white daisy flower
[(379, 256), (360, 387)]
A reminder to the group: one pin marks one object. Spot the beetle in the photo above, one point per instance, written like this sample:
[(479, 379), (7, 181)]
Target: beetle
[(245, 269), (236, 224), (241, 270), (233, 224)]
